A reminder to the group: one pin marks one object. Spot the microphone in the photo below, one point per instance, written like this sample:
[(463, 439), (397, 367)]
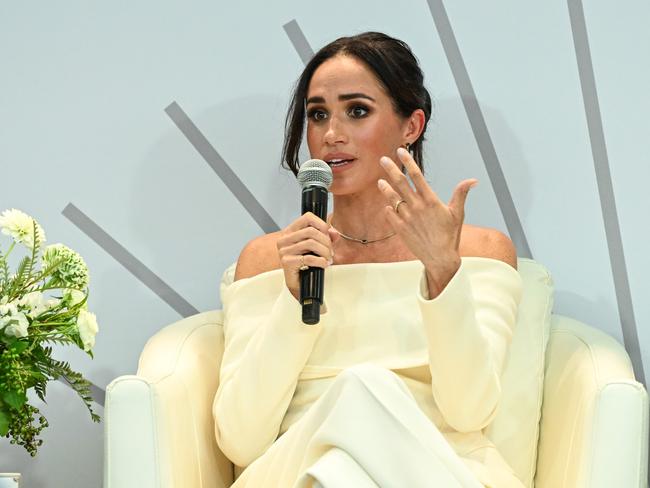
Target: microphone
[(315, 178)]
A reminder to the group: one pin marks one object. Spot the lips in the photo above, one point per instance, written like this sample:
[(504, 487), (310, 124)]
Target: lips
[(338, 159), (338, 162)]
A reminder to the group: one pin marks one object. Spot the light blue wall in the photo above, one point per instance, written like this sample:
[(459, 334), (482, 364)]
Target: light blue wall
[(83, 90)]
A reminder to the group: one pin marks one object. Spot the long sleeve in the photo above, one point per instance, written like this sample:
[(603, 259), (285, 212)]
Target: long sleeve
[(263, 357), (468, 329)]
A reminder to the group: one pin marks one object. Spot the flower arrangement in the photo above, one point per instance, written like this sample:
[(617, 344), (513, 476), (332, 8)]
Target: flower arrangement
[(42, 303)]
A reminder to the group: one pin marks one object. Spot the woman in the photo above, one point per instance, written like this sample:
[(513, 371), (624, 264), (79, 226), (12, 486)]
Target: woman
[(396, 383)]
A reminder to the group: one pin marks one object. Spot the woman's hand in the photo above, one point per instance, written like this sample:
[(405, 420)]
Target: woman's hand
[(429, 228), (307, 234)]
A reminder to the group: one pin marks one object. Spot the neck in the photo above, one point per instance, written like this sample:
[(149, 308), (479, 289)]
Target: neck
[(361, 215)]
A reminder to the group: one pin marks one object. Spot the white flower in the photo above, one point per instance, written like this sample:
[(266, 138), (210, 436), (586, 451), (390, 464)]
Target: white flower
[(87, 325), (34, 303), (31, 304), (20, 227), (16, 323), (31, 300), (8, 309), (71, 272), (15, 329), (76, 296)]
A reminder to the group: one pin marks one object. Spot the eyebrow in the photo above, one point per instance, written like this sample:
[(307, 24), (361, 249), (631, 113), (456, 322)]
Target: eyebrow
[(342, 97)]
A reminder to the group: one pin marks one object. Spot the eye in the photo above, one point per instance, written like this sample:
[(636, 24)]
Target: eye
[(317, 115), (358, 111)]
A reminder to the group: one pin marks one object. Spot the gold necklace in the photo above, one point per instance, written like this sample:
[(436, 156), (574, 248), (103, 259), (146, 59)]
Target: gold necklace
[(364, 241)]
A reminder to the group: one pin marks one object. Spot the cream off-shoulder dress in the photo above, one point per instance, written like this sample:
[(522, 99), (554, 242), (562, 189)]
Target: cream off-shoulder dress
[(388, 390)]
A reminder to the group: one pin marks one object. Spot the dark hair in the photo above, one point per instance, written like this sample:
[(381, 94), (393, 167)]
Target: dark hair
[(395, 67)]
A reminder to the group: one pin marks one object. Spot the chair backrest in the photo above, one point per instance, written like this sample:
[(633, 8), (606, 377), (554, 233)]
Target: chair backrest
[(515, 430), (185, 372)]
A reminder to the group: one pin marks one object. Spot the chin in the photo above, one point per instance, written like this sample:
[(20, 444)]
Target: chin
[(340, 188)]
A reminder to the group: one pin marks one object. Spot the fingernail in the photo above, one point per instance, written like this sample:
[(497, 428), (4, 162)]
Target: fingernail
[(330, 262), (381, 183), (401, 151), (384, 161)]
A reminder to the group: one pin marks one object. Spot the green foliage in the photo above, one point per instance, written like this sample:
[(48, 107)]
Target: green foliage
[(26, 360), (4, 273), (4, 422), (25, 270)]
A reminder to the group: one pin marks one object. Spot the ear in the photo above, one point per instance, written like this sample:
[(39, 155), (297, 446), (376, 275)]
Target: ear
[(414, 125)]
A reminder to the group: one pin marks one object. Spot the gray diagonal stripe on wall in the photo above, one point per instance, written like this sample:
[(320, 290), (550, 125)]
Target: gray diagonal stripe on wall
[(98, 394), (605, 187), (129, 261), (479, 127), (217, 163), (299, 40)]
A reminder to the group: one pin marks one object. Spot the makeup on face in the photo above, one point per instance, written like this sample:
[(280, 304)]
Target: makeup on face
[(351, 122)]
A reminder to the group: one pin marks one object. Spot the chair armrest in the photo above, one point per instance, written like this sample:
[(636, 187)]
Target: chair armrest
[(594, 426), (159, 430)]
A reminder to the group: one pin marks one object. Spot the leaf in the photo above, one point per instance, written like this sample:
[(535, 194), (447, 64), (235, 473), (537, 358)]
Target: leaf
[(4, 273), (25, 273), (37, 241), (14, 399), (40, 388), (82, 387), (38, 376), (4, 424), (22, 275), (19, 346), (47, 271)]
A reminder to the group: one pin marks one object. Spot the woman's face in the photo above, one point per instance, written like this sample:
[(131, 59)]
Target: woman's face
[(351, 123)]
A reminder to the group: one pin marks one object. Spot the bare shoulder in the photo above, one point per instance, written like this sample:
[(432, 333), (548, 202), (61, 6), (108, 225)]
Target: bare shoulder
[(258, 256), (487, 243)]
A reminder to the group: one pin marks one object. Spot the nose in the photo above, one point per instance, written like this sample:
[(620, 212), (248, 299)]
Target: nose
[(334, 133)]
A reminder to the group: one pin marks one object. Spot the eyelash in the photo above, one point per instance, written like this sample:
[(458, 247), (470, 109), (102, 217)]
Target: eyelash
[(311, 114), (362, 107)]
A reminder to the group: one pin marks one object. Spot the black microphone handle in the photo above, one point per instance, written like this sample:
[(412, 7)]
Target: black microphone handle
[(314, 200)]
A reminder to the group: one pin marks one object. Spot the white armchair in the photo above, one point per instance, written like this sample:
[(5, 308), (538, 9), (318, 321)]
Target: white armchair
[(594, 424), (159, 430)]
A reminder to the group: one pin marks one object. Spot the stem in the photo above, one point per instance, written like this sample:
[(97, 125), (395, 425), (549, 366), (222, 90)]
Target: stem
[(47, 338), (39, 324), (37, 278), (13, 244)]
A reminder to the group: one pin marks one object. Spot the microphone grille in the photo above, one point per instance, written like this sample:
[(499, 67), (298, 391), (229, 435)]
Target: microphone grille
[(315, 172)]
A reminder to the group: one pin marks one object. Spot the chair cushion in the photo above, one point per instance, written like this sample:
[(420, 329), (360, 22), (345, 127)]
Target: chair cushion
[(515, 429)]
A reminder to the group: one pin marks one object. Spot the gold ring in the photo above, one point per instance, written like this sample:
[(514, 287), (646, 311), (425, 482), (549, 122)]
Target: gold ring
[(397, 204), (303, 266)]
